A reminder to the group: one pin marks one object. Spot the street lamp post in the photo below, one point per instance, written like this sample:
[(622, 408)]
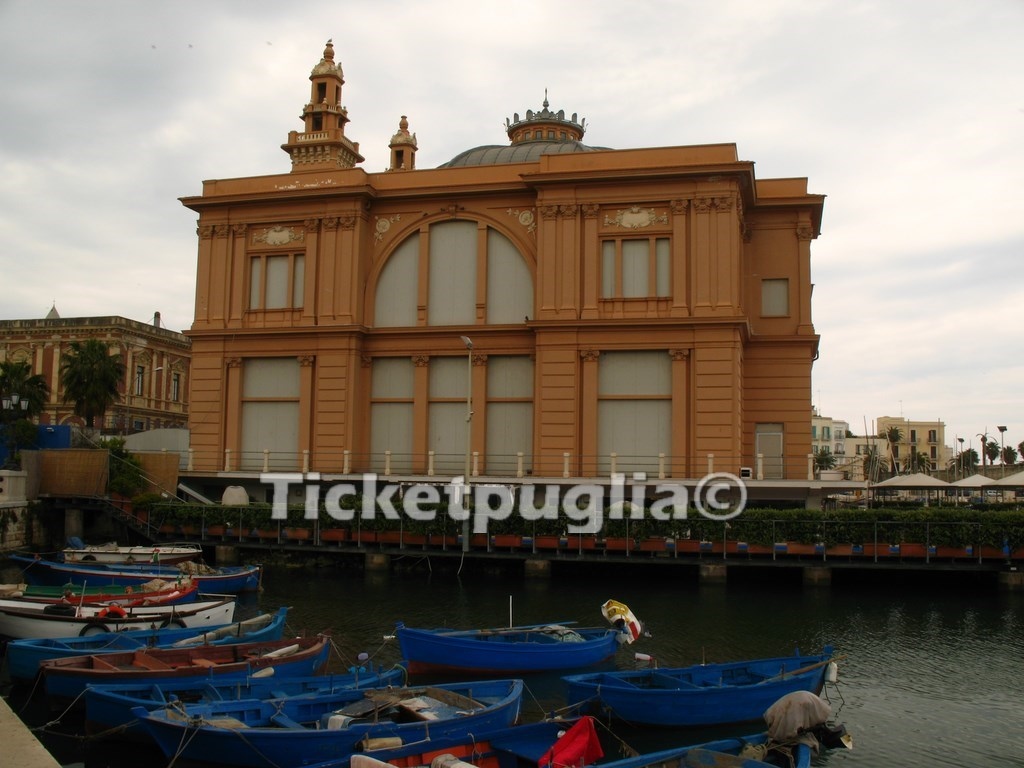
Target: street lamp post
[(469, 439), (1002, 447), (963, 470), (14, 407)]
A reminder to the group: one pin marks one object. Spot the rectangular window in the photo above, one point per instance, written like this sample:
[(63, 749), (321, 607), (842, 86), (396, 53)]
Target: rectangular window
[(933, 436), (634, 411), (175, 387), (636, 268), (509, 413), (276, 281), (391, 413), (775, 297), (140, 375), (270, 413)]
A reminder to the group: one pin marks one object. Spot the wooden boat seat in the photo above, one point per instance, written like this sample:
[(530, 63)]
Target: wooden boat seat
[(282, 720), (205, 663), (660, 680), (98, 662), (146, 661)]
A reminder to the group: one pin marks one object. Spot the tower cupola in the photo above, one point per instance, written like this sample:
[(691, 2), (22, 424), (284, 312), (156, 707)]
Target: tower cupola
[(403, 148), (322, 144)]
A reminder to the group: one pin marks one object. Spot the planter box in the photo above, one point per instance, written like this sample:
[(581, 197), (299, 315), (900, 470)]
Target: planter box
[(298, 534), (507, 540), (687, 546), (364, 537), (215, 531), (914, 550), (653, 544), (389, 537), (418, 540), (333, 535), (576, 542), (440, 540), (268, 534), (547, 541), (617, 544), (840, 550)]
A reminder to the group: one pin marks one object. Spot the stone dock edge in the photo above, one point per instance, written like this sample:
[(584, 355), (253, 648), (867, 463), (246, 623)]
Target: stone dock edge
[(21, 746)]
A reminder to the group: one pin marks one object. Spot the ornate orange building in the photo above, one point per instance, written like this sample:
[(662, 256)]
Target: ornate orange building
[(154, 392), (598, 310)]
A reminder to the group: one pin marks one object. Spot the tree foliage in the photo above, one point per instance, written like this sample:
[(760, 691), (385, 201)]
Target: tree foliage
[(90, 376)]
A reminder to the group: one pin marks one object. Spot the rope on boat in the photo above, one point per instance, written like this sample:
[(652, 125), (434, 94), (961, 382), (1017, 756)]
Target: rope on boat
[(61, 715)]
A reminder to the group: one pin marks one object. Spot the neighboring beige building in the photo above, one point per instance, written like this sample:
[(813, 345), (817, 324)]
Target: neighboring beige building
[(830, 433), (641, 309), (924, 439), (156, 384)]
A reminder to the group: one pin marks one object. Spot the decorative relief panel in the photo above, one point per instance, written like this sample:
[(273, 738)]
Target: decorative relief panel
[(526, 218), (635, 217), (804, 232), (278, 235), (383, 225)]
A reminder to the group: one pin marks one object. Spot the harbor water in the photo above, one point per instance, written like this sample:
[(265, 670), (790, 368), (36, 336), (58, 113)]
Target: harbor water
[(929, 674)]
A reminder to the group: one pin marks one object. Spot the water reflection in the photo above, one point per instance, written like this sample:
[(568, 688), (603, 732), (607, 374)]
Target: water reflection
[(929, 675)]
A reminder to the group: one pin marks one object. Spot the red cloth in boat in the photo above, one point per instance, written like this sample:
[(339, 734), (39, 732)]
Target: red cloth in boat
[(576, 747)]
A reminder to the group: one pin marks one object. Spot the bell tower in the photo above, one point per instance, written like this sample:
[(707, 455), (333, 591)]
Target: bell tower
[(322, 144)]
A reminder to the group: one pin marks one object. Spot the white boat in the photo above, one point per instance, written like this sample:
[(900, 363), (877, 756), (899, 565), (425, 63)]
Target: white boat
[(21, 619), (164, 554)]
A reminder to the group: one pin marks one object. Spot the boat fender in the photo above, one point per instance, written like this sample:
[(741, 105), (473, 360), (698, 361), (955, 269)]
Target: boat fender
[(93, 628), (832, 672), (288, 650), (365, 761), (265, 672), (112, 611), (382, 742), (448, 760)]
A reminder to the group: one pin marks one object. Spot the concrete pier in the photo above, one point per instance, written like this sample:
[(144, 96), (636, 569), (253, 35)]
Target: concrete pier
[(21, 747)]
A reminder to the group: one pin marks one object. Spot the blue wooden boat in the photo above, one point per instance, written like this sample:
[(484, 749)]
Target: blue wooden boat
[(66, 679), (509, 650), (229, 579), (558, 743), (24, 656), (297, 731), (703, 694), (108, 708)]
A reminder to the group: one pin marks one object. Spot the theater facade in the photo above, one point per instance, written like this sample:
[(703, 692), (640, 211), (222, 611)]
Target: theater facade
[(539, 307)]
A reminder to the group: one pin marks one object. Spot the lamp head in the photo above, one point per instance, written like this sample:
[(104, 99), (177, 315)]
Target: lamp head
[(466, 340)]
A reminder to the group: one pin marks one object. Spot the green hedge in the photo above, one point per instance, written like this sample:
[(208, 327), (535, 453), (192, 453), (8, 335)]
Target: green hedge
[(939, 526)]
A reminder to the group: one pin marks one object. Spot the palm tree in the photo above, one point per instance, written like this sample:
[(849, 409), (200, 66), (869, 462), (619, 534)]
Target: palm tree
[(90, 376), (1008, 456), (23, 396), (894, 436), (991, 451), (824, 458), (919, 461)]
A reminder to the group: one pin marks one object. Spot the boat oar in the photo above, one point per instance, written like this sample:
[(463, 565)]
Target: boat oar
[(801, 670)]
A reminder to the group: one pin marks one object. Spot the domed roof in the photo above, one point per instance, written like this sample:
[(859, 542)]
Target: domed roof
[(539, 133), (524, 152)]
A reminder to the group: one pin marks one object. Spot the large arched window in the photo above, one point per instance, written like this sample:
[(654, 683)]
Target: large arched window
[(458, 254)]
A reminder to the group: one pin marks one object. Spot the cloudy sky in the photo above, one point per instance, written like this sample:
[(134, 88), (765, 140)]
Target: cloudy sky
[(909, 116)]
